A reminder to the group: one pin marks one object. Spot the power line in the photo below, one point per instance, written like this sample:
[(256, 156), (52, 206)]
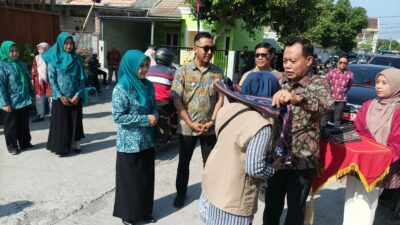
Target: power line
[(387, 17)]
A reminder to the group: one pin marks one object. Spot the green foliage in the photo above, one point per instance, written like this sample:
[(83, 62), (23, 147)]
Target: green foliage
[(287, 17), (384, 44), (27, 53), (338, 25)]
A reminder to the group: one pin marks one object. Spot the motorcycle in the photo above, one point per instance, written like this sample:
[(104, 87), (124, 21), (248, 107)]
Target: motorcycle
[(165, 130)]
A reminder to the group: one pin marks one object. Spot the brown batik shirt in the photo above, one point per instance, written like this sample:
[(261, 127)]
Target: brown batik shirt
[(305, 119)]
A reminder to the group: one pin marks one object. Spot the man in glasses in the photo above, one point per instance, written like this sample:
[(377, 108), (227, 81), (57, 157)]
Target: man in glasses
[(197, 104), (263, 54), (340, 80)]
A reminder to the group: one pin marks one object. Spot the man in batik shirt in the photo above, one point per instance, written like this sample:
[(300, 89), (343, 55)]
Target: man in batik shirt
[(308, 97), (197, 104), (340, 80)]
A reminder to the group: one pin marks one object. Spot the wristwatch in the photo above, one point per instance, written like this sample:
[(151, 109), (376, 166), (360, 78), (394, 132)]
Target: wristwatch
[(212, 121)]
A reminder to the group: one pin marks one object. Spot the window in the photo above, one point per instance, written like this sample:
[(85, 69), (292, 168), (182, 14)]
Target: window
[(172, 39)]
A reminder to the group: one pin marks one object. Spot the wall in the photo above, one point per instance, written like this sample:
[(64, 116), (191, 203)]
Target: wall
[(27, 26), (242, 38), (160, 30), (126, 34)]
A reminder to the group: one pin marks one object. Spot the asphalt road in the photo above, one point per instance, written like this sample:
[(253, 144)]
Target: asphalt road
[(40, 188)]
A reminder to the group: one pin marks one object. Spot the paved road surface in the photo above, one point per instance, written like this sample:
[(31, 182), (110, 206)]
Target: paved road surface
[(40, 188)]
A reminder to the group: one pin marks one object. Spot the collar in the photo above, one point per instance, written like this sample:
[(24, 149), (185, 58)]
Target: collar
[(303, 82), (193, 66)]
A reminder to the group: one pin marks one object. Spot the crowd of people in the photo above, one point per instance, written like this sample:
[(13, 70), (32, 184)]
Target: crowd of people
[(266, 133)]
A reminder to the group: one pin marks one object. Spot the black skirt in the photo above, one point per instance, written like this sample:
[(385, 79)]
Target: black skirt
[(134, 190), (65, 126)]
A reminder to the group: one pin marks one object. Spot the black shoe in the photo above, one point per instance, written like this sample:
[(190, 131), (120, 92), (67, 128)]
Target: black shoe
[(149, 219), (179, 201), (125, 222), (77, 150), (28, 147), (64, 154), (13, 150), (37, 119)]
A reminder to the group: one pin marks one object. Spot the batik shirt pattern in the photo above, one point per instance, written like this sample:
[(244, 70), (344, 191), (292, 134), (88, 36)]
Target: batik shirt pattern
[(305, 119), (340, 83), (198, 96), (11, 87)]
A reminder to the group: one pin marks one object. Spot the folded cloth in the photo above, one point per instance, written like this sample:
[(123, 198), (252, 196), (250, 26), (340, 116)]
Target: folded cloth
[(263, 105), (341, 135)]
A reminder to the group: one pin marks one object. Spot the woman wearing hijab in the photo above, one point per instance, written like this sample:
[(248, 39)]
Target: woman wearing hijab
[(15, 98), (40, 81), (243, 149), (379, 120), (134, 111), (67, 77)]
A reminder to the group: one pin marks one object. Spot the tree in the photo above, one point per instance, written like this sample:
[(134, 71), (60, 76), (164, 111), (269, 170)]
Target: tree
[(287, 17), (385, 44), (338, 25)]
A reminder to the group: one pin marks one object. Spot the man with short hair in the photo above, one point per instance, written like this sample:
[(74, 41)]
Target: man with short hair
[(197, 104), (308, 96), (340, 80), (263, 54), (113, 59)]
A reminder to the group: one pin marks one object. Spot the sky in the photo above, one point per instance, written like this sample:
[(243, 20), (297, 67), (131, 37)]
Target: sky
[(388, 13)]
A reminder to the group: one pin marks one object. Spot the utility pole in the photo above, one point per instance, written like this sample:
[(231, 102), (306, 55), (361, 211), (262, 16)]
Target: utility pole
[(84, 24)]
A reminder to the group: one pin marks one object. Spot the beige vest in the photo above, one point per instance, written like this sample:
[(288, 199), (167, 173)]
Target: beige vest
[(225, 183)]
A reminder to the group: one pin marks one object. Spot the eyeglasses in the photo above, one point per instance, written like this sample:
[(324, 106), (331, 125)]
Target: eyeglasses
[(342, 62), (208, 48), (263, 55)]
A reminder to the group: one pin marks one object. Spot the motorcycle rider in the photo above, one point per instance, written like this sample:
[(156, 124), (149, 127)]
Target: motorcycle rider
[(161, 75)]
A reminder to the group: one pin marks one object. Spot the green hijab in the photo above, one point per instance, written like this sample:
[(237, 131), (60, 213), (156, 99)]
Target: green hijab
[(129, 80), (66, 61), (17, 65)]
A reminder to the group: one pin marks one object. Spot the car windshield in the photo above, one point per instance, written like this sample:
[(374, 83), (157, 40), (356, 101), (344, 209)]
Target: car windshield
[(364, 76), (386, 61)]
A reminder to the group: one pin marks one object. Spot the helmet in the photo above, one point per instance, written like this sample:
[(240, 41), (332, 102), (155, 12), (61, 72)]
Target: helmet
[(164, 56)]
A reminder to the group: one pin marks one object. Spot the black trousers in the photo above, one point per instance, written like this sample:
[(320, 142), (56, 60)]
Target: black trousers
[(104, 74), (187, 146), (337, 115), (16, 128), (296, 185)]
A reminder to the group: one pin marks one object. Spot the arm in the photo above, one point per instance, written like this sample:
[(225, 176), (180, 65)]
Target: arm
[(153, 99), (52, 76), (5, 100), (121, 110), (394, 136), (350, 80), (29, 78), (81, 84), (257, 154), (329, 76), (217, 107), (34, 71), (176, 94), (317, 100)]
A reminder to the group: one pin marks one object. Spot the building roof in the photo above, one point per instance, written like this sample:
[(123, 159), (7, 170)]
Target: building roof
[(117, 3), (372, 23), (167, 8)]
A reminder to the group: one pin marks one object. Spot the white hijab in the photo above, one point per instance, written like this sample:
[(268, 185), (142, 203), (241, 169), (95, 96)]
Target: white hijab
[(41, 64)]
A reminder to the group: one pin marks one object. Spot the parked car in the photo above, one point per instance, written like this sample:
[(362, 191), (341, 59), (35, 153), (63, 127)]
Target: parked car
[(352, 57), (363, 58), (386, 60), (362, 89)]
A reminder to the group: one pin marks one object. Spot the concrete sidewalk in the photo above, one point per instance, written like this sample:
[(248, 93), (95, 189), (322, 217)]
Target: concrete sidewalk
[(40, 188)]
